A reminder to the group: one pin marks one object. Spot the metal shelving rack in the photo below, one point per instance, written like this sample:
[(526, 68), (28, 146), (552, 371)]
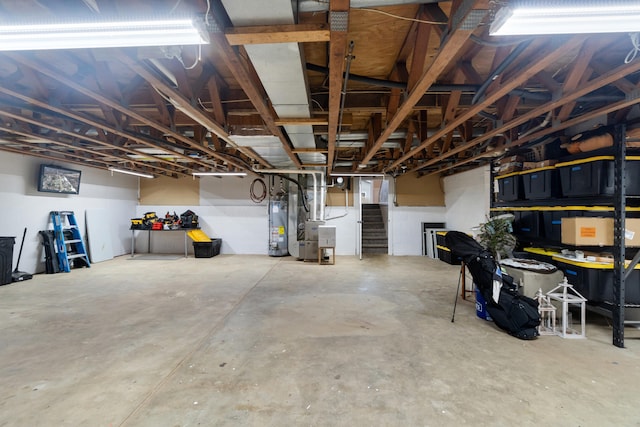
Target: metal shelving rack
[(616, 309), (620, 273)]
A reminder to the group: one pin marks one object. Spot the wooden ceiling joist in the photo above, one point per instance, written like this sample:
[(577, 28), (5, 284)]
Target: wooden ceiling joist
[(95, 123), (256, 95), (596, 83), (538, 63), (295, 33), (450, 49), (339, 24)]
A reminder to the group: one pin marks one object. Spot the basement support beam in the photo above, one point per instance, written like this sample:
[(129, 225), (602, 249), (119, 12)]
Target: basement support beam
[(255, 94), (538, 63), (450, 48), (339, 25), (295, 33), (605, 79)]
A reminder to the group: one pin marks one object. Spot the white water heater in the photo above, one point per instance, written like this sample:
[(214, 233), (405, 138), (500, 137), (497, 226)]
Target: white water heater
[(278, 221)]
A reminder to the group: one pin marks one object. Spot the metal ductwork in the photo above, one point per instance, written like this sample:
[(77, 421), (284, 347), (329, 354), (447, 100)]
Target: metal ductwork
[(281, 70)]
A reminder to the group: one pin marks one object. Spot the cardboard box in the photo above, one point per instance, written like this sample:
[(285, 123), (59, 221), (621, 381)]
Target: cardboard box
[(586, 231), (529, 165), (545, 163), (511, 159), (509, 168)]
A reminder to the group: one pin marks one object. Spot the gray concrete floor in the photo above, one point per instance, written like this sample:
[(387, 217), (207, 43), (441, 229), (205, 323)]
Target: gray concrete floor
[(260, 341)]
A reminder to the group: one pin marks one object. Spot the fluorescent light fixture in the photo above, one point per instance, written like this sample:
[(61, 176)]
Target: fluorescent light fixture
[(140, 174), (570, 17), (219, 174), (97, 34)]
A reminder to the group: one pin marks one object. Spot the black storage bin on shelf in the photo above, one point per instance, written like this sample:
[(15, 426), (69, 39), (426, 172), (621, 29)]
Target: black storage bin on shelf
[(552, 221), (527, 224), (540, 184), (595, 281), (593, 176), (509, 187), (440, 238), (6, 259), (207, 249)]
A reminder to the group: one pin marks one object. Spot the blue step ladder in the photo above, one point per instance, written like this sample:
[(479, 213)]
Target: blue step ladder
[(69, 243)]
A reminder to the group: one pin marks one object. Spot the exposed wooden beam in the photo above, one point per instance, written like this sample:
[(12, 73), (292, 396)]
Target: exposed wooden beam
[(450, 49), (538, 63), (420, 47), (623, 84), (339, 24), (218, 110), (309, 150), (408, 140), (68, 158), (77, 148), (71, 83), (399, 73), (96, 123), (185, 105), (311, 121), (581, 119), (452, 108), (596, 83), (579, 73), (295, 33), (255, 94)]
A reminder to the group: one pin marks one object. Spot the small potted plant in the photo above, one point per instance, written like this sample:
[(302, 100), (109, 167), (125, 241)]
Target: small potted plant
[(495, 235)]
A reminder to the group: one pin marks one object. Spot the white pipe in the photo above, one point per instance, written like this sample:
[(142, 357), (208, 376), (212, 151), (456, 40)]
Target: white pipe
[(316, 191), (323, 194)]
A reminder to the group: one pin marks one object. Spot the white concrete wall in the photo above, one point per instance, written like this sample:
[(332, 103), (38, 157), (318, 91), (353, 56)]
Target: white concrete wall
[(23, 206), (225, 212), (467, 199), (406, 227), (346, 223)]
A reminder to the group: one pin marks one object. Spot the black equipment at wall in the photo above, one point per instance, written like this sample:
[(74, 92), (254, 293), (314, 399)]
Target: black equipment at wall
[(16, 275), (51, 258)]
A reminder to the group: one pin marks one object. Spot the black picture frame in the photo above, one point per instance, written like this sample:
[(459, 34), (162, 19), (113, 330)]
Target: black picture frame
[(59, 180)]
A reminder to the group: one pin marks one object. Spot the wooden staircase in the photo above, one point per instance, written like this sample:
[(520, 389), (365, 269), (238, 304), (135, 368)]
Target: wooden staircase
[(374, 233)]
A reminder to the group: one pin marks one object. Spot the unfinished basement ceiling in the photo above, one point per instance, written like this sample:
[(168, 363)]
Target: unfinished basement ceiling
[(369, 86)]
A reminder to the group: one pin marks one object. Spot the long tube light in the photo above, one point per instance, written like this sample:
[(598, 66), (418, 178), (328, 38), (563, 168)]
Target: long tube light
[(555, 17), (99, 34), (219, 174), (127, 172)]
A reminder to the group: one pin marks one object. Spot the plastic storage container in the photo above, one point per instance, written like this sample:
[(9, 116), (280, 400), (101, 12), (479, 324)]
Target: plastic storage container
[(207, 249), (541, 183), (447, 255), (593, 176), (440, 238), (595, 280), (6, 259), (552, 221), (527, 223), (509, 187)]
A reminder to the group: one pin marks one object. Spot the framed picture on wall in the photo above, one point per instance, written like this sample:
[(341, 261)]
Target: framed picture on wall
[(57, 179)]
